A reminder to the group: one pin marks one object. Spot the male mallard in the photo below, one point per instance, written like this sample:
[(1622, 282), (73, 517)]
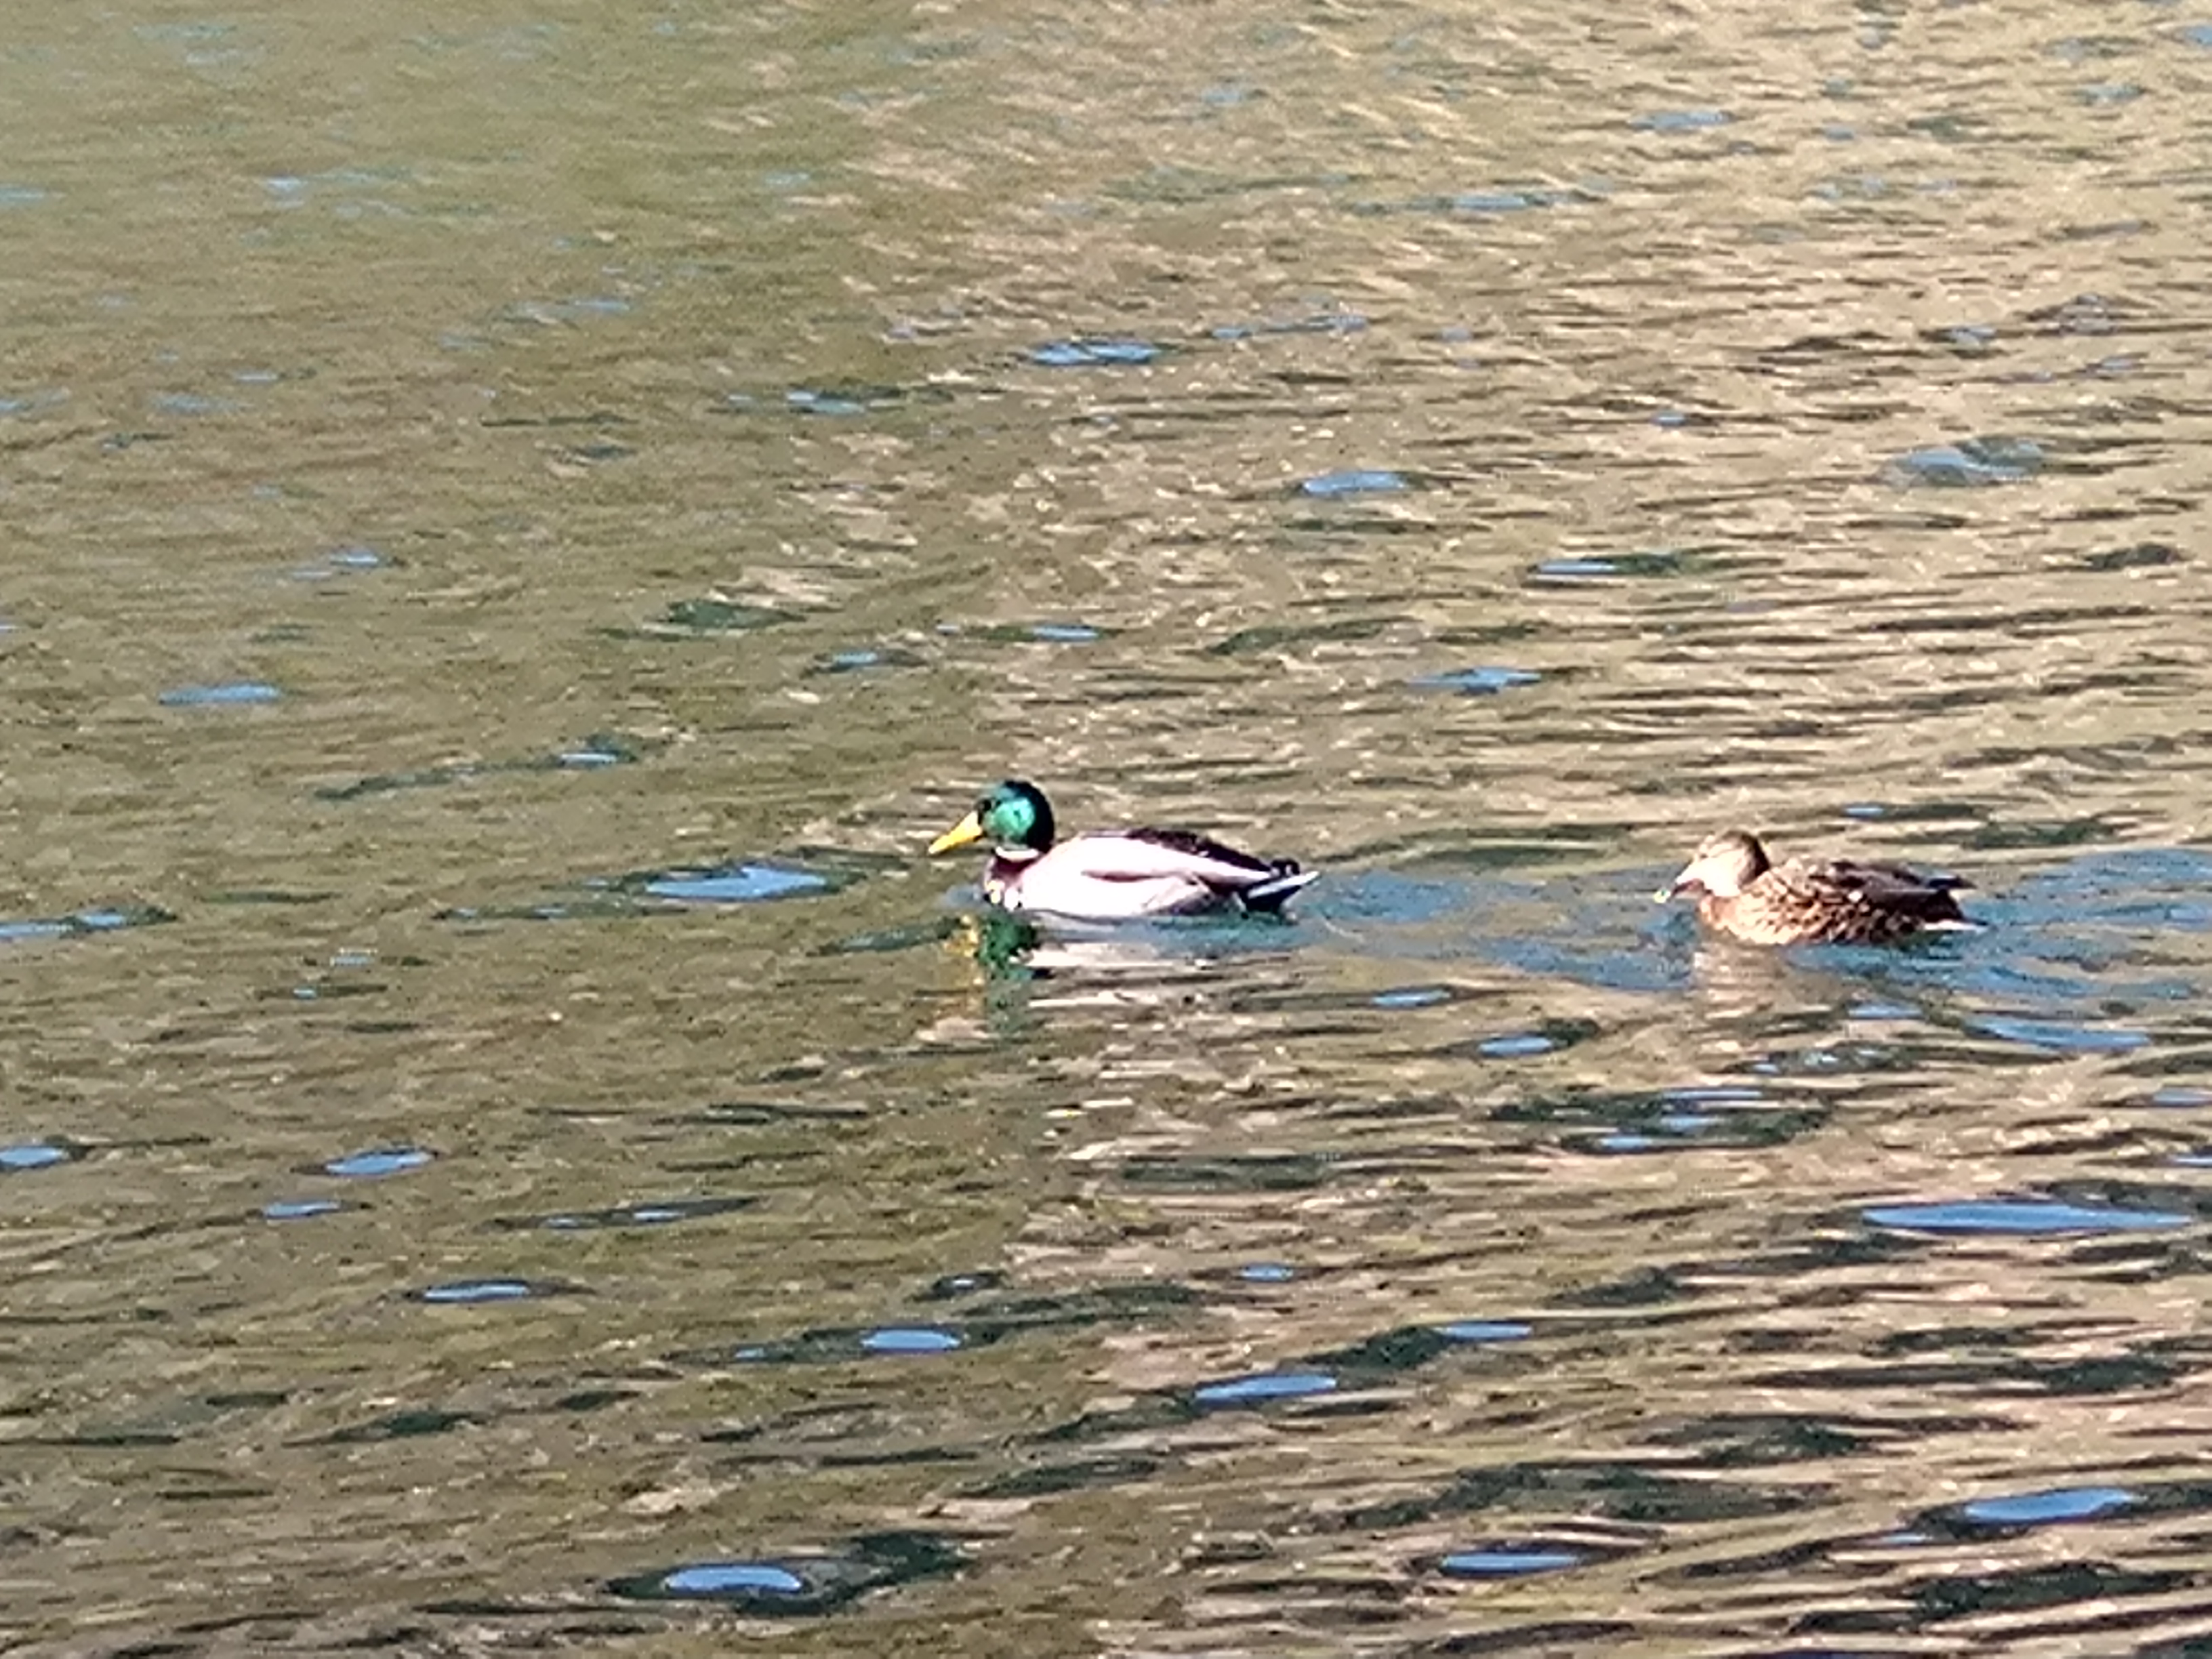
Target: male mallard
[(1741, 893), (1112, 875)]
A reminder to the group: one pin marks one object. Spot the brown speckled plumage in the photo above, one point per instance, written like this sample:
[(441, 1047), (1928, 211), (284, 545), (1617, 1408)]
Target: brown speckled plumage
[(1743, 893)]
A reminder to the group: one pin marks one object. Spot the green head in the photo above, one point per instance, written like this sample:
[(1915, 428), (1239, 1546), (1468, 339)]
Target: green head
[(1013, 816)]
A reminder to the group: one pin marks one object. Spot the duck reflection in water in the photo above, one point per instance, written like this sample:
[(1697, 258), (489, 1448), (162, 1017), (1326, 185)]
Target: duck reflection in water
[(1012, 948)]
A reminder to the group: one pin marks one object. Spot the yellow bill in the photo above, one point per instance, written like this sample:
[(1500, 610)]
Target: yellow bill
[(968, 828)]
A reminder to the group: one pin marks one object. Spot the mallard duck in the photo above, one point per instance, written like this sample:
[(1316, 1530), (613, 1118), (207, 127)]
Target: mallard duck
[(1741, 891), (1111, 875)]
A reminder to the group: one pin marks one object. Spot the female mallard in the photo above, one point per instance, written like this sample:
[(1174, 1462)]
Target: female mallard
[(1112, 875), (1740, 892)]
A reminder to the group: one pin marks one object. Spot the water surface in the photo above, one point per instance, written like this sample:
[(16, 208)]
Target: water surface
[(520, 529)]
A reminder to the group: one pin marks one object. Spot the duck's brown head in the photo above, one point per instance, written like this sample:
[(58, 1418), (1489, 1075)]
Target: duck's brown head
[(1722, 866)]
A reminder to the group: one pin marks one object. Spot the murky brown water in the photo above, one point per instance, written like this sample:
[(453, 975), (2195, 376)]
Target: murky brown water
[(463, 483)]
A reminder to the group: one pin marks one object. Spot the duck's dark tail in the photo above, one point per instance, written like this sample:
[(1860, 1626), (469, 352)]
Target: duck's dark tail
[(1267, 895)]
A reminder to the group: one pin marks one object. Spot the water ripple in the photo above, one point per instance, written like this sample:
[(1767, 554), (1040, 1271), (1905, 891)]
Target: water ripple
[(1263, 1388), (800, 1582), (2022, 1217)]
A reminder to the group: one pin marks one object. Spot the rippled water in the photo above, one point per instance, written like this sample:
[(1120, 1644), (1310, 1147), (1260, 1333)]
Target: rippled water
[(519, 531)]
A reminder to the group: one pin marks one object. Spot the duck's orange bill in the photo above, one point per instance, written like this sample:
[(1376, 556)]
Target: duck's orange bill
[(968, 828)]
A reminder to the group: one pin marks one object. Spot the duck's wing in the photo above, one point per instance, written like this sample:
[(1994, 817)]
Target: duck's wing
[(1145, 854), (1843, 899), (1891, 886), (1153, 872)]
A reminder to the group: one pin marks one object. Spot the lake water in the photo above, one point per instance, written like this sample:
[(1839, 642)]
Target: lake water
[(521, 523)]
